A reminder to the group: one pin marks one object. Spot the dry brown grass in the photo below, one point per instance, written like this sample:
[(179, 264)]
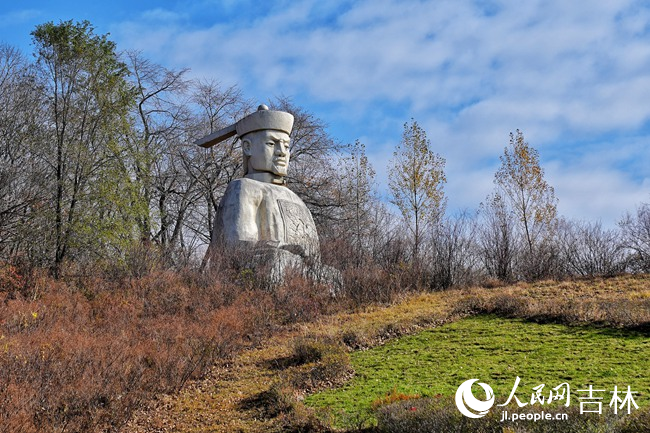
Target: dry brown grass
[(622, 301), (84, 354), (215, 403)]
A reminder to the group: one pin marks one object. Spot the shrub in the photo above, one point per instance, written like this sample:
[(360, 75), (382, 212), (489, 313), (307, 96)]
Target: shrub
[(300, 299), (83, 354), (428, 416), (307, 350), (301, 420), (10, 279), (508, 305), (270, 403), (576, 304), (366, 285), (588, 249), (638, 421), (320, 362), (469, 305), (635, 230)]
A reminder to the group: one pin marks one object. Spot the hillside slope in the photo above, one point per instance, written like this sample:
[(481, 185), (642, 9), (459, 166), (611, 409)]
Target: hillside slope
[(258, 390)]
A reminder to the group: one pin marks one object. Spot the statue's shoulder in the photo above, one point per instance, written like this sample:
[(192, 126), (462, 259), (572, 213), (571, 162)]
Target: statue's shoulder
[(243, 184), (250, 189), (243, 188)]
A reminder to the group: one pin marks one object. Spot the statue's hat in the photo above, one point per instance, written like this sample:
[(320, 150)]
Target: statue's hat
[(260, 120)]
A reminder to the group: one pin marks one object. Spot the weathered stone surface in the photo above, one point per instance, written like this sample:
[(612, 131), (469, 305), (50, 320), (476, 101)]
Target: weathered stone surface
[(277, 263), (258, 215), (266, 215), (263, 119)]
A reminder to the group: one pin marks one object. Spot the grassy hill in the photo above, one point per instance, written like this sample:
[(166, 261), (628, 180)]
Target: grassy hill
[(266, 388), (435, 362)]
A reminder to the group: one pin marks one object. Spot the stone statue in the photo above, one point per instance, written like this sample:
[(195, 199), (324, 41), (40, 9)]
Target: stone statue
[(258, 216)]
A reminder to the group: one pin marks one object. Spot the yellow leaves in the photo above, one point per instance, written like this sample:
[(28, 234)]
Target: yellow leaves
[(417, 176), (521, 178)]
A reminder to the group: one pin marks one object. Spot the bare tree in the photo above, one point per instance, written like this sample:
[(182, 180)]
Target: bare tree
[(356, 187), (180, 183), (454, 258), (588, 249), (158, 117), (497, 238), (22, 177), (214, 107), (636, 237), (314, 171)]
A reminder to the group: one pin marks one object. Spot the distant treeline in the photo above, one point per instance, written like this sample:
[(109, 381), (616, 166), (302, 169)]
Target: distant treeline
[(99, 173)]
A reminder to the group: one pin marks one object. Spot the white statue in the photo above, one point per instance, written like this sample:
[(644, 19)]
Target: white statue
[(258, 215)]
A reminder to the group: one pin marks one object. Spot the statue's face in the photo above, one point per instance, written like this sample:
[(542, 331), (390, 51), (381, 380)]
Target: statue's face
[(267, 151)]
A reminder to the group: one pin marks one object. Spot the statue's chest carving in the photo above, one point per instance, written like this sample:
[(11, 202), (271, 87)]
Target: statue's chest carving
[(298, 224)]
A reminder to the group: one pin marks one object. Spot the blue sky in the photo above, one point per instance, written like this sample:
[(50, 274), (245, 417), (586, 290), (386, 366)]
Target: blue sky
[(574, 76)]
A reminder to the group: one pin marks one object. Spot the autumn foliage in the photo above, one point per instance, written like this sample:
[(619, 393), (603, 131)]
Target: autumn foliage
[(81, 354)]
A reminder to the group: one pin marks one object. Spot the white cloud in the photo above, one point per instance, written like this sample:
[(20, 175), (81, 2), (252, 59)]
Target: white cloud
[(160, 15), (469, 72), (604, 195), (429, 54)]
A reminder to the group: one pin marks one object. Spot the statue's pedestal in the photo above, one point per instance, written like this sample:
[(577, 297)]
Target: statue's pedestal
[(277, 263)]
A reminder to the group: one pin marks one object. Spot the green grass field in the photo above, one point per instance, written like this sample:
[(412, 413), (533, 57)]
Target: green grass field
[(496, 351)]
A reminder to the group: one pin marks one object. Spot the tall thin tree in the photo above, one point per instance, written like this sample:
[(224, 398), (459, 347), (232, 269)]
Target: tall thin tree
[(416, 179), (520, 179)]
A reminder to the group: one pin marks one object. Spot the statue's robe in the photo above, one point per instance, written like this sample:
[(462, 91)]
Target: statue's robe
[(261, 214), (268, 226)]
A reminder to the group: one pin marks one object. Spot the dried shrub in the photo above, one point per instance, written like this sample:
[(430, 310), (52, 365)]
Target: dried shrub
[(307, 350), (363, 286), (10, 278), (323, 363), (469, 305), (82, 354), (390, 331), (299, 299), (492, 283), (352, 340), (316, 362), (271, 403), (301, 419), (574, 304), (639, 421), (424, 415), (508, 305)]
